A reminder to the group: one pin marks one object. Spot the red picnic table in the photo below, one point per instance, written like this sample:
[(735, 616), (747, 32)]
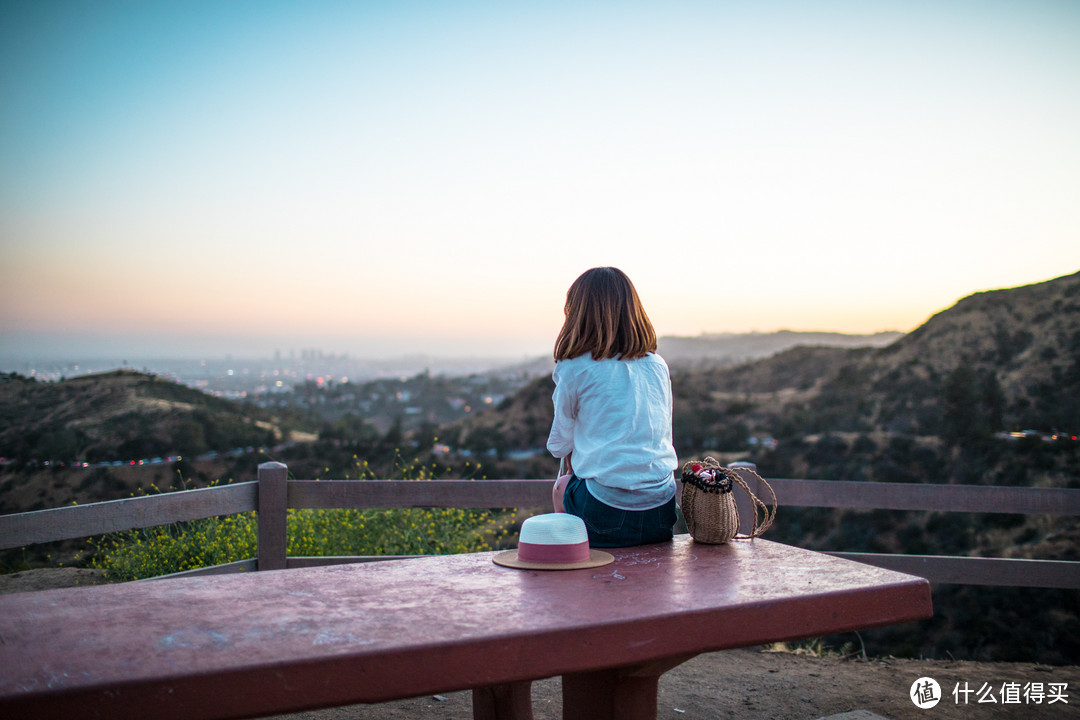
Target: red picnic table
[(255, 644)]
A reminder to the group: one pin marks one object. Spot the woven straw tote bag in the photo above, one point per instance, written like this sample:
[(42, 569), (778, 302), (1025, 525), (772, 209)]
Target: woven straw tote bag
[(708, 503)]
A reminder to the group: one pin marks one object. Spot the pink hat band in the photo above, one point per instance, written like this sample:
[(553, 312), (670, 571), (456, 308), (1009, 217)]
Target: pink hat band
[(564, 553)]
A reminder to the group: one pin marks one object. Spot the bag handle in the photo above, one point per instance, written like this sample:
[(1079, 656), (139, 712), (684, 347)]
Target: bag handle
[(768, 515)]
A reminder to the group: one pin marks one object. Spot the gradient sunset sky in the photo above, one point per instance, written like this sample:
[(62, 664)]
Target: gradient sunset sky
[(200, 178)]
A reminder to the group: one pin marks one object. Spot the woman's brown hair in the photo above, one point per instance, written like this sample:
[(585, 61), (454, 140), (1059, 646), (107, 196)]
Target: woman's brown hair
[(604, 317)]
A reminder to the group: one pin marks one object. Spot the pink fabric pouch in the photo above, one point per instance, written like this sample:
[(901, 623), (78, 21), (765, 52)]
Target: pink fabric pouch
[(558, 490)]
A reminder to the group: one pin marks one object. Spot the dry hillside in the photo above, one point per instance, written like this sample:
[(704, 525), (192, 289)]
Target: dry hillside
[(76, 439)]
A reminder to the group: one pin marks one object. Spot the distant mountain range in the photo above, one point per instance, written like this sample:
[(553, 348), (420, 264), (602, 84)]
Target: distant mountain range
[(710, 350), (730, 348), (233, 376)]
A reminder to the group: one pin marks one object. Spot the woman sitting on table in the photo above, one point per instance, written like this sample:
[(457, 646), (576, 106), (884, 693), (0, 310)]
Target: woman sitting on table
[(612, 425)]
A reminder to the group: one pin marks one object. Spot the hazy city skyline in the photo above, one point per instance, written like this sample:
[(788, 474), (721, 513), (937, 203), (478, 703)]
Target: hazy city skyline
[(204, 178)]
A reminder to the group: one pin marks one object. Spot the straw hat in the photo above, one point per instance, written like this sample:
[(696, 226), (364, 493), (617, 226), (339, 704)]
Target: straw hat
[(555, 541)]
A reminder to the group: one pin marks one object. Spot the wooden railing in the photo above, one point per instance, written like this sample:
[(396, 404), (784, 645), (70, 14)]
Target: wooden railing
[(945, 498), (274, 493)]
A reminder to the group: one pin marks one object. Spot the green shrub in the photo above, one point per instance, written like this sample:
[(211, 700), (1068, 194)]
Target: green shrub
[(165, 549)]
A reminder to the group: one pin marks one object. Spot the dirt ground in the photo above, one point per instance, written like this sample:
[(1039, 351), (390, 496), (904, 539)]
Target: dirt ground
[(749, 683), (754, 683)]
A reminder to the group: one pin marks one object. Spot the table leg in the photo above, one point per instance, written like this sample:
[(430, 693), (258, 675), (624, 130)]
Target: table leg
[(510, 701), (624, 693)]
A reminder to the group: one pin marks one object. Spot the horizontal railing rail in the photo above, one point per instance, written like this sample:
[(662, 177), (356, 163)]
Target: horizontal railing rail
[(274, 494), (80, 521), (960, 570), (963, 570), (917, 496)]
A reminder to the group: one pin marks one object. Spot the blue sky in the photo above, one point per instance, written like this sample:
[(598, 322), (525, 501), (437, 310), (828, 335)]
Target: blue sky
[(375, 177)]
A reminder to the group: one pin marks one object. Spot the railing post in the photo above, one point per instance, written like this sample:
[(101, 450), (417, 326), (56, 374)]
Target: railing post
[(273, 501), (742, 502)]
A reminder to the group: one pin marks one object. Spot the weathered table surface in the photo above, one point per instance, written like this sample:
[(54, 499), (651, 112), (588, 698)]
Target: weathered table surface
[(262, 643)]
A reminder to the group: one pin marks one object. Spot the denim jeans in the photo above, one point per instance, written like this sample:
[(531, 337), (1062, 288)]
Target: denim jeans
[(612, 527)]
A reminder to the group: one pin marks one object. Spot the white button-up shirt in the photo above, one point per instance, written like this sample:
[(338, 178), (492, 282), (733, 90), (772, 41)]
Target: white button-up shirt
[(615, 417)]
